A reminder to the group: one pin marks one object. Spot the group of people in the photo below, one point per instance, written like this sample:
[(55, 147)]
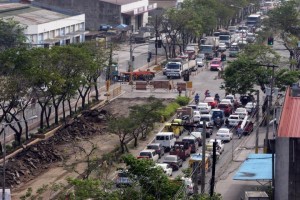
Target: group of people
[(206, 94)]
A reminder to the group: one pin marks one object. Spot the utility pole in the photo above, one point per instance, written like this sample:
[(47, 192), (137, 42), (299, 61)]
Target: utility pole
[(131, 60), (213, 170), (203, 158), (156, 35), (195, 176), (108, 72), (257, 121), (269, 98)]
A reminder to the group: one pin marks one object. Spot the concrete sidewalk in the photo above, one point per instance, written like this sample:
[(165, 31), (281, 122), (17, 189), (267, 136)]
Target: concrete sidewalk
[(232, 189)]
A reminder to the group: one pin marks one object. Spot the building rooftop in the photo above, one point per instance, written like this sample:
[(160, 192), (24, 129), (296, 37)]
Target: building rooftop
[(28, 15), (120, 2), (290, 115)]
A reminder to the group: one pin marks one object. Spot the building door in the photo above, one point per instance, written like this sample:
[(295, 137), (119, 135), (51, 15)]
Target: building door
[(139, 21)]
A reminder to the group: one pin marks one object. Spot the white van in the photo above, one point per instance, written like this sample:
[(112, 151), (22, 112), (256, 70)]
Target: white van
[(166, 139)]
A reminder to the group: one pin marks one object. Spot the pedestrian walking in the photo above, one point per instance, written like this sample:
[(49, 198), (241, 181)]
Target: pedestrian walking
[(239, 132), (179, 90)]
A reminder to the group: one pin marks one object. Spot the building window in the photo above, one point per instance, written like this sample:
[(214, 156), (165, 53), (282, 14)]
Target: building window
[(62, 31), (40, 38), (56, 33), (52, 34), (68, 30), (72, 29)]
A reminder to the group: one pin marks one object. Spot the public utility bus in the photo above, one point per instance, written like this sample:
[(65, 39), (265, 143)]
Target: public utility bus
[(254, 20)]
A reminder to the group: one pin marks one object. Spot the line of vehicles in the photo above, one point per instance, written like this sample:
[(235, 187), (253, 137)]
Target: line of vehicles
[(180, 139)]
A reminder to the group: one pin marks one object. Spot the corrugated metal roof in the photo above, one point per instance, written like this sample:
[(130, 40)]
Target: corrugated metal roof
[(289, 125), (255, 167)]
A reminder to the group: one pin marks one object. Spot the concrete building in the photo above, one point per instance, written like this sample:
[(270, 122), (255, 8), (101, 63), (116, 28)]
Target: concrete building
[(111, 12), (287, 164), (46, 27)]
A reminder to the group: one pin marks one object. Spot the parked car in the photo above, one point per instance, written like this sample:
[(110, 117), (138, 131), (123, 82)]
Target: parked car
[(224, 134), (250, 107), (227, 108), (196, 116), (160, 150), (244, 99), (149, 154), (166, 168), (123, 179), (216, 64), (182, 149), (211, 101), (220, 145), (234, 120), (204, 108), (105, 27), (222, 47), (174, 161), (242, 112)]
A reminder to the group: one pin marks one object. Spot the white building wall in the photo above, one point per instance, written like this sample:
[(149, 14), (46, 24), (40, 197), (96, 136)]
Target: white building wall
[(134, 5)]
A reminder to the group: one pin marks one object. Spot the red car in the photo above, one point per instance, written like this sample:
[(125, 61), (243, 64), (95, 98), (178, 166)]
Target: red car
[(216, 64), (227, 108), (211, 101)]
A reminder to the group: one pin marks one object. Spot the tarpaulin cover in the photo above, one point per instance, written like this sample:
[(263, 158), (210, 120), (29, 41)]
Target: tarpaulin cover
[(255, 167)]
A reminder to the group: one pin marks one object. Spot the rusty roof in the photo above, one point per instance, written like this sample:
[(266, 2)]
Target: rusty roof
[(289, 124)]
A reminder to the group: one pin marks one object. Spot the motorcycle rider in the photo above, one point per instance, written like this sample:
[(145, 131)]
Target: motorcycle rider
[(218, 122), (217, 97), (207, 94), (197, 97)]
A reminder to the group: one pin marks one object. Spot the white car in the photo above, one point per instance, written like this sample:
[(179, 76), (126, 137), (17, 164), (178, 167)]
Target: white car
[(166, 168), (199, 62), (250, 106), (189, 185), (227, 101), (149, 154), (224, 134), (220, 145), (196, 116), (234, 120), (222, 47), (204, 108), (242, 112)]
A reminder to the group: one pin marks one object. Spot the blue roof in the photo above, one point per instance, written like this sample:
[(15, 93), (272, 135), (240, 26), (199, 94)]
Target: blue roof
[(255, 167)]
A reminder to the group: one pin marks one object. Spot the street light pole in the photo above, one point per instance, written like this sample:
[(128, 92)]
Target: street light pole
[(4, 125)]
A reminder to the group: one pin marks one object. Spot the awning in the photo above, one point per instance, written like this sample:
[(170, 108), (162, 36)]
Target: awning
[(257, 167)]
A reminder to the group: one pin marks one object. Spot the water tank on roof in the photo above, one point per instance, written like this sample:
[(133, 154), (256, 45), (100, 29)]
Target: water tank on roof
[(295, 90)]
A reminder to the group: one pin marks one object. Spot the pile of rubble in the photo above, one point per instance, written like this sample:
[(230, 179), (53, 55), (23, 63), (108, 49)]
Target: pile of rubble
[(35, 159)]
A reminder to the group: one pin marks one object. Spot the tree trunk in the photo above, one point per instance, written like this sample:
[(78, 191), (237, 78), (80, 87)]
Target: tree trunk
[(64, 111), (96, 89), (70, 108), (43, 110), (135, 141)]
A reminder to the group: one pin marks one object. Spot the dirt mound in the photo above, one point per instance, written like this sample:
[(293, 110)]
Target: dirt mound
[(35, 159)]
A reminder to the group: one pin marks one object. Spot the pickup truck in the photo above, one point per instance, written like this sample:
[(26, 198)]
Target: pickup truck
[(174, 161), (234, 120), (181, 149)]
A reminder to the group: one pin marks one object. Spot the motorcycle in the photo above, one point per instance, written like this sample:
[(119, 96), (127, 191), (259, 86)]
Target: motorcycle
[(197, 101), (218, 122)]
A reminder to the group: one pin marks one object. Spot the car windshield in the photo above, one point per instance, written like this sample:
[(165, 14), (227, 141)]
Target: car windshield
[(191, 141), (224, 37), (205, 119), (146, 154), (123, 174), (233, 117), (215, 62), (152, 147), (173, 66), (222, 131), (240, 110), (170, 158), (223, 106), (233, 49), (217, 114)]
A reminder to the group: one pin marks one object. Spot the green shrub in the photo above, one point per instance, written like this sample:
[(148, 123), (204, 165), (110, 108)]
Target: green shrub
[(169, 110), (182, 100)]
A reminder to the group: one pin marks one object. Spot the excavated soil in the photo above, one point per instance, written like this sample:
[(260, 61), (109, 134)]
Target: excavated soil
[(45, 161)]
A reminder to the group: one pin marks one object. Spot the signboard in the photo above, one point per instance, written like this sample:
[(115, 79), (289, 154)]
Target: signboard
[(189, 84)]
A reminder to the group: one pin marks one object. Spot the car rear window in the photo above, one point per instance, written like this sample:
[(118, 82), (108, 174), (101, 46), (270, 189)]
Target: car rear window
[(191, 141), (152, 147), (147, 154), (169, 158)]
